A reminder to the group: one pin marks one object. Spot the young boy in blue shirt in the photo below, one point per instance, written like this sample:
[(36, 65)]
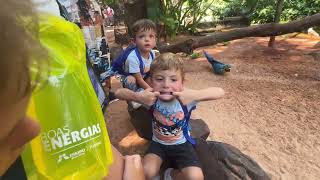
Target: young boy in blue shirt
[(144, 31), (169, 102)]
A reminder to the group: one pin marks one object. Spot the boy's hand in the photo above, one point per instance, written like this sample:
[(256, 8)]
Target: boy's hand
[(148, 97), (186, 96)]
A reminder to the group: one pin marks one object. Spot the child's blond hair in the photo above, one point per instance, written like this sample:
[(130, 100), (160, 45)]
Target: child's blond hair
[(143, 25), (167, 61)]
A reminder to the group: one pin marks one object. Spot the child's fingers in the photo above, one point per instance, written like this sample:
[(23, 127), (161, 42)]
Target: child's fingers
[(149, 89), (156, 93), (177, 94)]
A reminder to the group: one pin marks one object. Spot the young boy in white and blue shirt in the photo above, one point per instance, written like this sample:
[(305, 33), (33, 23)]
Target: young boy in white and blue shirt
[(144, 32)]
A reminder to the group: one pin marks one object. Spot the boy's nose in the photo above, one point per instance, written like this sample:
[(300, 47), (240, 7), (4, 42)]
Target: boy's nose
[(166, 83)]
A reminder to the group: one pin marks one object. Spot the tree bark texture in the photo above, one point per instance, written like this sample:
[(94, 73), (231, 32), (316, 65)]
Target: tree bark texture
[(276, 20), (264, 30), (134, 10)]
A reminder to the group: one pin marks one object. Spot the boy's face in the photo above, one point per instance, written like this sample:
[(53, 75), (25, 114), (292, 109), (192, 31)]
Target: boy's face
[(166, 82), (145, 40), (15, 130)]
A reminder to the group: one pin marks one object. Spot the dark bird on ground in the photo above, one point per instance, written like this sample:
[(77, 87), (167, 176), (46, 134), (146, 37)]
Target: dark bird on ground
[(218, 67)]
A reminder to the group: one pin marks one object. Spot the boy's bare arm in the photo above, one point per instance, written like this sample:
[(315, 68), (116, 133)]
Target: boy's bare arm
[(188, 95), (146, 97), (140, 81)]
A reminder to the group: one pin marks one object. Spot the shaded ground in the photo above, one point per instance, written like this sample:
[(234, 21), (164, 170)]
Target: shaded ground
[(271, 110)]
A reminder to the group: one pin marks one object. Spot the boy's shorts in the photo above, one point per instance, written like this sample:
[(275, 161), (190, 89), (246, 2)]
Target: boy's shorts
[(178, 156)]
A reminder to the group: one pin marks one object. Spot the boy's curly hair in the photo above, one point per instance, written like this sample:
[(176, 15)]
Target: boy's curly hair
[(167, 61), (144, 25), (19, 47)]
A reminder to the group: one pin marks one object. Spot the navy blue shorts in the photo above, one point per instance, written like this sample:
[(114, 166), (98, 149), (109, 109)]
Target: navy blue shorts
[(177, 156)]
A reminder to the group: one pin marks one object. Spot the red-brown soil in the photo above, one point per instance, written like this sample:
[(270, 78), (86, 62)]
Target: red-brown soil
[(271, 110)]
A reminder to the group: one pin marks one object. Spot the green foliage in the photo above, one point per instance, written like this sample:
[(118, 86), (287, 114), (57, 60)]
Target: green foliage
[(294, 9), (109, 2), (263, 11), (183, 15), (195, 55), (231, 8)]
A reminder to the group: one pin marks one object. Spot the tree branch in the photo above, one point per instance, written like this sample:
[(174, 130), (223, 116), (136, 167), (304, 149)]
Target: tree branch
[(269, 29)]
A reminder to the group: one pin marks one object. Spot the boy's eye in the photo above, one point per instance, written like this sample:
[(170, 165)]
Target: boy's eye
[(173, 80)]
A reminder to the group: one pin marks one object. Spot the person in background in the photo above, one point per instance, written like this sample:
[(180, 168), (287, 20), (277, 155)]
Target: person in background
[(19, 48), (85, 19), (110, 13), (98, 21), (144, 37)]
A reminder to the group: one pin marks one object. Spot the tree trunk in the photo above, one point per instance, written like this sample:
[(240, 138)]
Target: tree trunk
[(134, 10), (270, 29), (276, 20)]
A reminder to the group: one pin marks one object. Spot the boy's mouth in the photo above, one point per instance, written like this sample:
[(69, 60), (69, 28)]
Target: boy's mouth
[(166, 93), (166, 96)]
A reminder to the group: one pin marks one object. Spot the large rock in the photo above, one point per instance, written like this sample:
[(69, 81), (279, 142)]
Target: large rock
[(141, 120), (225, 162), (219, 160), (199, 129)]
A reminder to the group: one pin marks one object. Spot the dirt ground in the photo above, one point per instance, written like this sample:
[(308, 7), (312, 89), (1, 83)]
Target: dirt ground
[(271, 110)]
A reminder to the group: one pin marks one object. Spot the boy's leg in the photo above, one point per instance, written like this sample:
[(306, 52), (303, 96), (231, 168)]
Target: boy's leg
[(151, 165), (192, 173), (152, 160), (148, 80), (130, 82)]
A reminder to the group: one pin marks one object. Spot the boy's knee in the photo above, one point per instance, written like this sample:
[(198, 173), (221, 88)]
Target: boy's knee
[(150, 171), (130, 83), (193, 173), (131, 80)]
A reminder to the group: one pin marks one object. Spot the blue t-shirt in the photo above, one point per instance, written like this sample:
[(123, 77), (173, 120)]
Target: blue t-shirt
[(168, 114), (132, 64)]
